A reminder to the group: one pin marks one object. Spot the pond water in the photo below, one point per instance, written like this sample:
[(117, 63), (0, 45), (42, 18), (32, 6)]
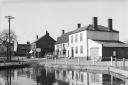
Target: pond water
[(38, 75)]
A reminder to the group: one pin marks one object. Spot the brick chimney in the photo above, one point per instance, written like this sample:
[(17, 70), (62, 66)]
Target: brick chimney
[(110, 24), (63, 32), (78, 25), (95, 23)]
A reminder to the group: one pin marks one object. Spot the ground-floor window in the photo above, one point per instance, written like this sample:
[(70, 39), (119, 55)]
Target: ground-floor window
[(76, 49), (81, 49)]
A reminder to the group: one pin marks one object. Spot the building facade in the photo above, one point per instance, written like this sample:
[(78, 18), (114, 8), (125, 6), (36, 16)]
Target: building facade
[(23, 49), (43, 45), (93, 40), (4, 49)]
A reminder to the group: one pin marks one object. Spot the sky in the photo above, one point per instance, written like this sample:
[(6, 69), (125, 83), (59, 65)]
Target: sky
[(34, 17)]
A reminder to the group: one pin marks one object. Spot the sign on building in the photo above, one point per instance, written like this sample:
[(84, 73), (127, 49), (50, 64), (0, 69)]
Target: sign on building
[(38, 49)]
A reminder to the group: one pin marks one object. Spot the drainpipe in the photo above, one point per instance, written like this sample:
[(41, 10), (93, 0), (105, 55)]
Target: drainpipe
[(87, 48)]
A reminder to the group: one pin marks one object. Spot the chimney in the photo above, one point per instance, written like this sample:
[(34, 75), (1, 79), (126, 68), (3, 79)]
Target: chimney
[(95, 23), (79, 25), (110, 24), (37, 37), (28, 42), (47, 33), (62, 32)]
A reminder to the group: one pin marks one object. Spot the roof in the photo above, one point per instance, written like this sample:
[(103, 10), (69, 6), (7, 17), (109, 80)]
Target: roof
[(109, 43), (43, 37), (24, 46), (91, 28), (64, 38)]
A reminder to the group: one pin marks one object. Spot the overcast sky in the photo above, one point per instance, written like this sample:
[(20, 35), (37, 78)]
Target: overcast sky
[(34, 17)]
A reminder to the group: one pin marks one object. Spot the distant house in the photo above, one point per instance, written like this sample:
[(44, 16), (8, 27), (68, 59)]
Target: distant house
[(92, 41), (23, 49), (43, 45), (4, 49)]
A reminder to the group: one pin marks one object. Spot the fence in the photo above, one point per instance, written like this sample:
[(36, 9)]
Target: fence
[(5, 61), (106, 61)]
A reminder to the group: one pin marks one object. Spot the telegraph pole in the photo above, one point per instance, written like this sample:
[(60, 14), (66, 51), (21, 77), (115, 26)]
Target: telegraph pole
[(9, 19)]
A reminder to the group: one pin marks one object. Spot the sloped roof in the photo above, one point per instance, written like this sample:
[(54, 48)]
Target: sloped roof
[(44, 37), (64, 38), (108, 43)]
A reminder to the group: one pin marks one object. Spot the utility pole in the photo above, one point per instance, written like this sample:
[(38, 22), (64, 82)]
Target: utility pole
[(9, 19)]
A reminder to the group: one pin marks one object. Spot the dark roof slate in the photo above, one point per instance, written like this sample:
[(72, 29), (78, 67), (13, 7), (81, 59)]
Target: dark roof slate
[(64, 38)]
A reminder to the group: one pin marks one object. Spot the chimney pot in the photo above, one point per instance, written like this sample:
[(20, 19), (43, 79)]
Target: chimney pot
[(63, 32), (95, 22), (79, 25), (37, 37), (110, 24)]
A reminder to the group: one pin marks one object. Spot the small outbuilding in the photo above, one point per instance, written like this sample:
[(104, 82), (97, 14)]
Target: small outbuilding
[(104, 49)]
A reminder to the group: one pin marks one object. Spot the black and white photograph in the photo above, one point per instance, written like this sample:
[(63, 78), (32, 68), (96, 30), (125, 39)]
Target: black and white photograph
[(63, 42)]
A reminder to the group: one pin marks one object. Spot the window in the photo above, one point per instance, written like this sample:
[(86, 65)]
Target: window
[(82, 78), (72, 39), (72, 74), (63, 45), (81, 49), (76, 76), (81, 36), (76, 50), (57, 46), (76, 38)]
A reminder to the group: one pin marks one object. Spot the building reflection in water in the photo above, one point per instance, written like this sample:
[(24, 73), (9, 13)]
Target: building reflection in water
[(87, 78), (79, 78), (46, 76)]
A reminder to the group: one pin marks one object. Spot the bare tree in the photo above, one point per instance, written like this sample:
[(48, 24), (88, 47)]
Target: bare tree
[(4, 36)]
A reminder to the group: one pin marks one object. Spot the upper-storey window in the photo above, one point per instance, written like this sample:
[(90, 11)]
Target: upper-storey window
[(81, 36), (76, 49), (72, 39), (76, 38)]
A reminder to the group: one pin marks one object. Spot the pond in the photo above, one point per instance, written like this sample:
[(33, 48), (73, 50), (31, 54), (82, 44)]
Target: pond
[(38, 75)]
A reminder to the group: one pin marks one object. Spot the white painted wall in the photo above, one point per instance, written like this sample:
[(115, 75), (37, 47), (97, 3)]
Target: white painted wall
[(98, 35), (91, 44), (78, 44), (60, 47)]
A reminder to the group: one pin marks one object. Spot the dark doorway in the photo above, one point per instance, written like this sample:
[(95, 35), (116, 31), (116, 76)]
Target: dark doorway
[(72, 52)]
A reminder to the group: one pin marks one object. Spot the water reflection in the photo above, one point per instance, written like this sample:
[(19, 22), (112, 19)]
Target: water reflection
[(46, 76)]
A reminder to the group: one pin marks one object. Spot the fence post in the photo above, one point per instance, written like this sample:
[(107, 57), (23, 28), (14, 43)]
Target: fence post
[(19, 60), (78, 61), (115, 62), (55, 60), (94, 60), (123, 63), (65, 60), (46, 61), (111, 61)]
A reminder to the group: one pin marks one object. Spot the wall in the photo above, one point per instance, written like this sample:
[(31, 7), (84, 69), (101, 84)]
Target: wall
[(78, 44), (60, 48), (120, 52), (92, 44), (98, 35)]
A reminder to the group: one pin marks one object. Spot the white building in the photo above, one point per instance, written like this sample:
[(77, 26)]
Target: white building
[(94, 41)]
